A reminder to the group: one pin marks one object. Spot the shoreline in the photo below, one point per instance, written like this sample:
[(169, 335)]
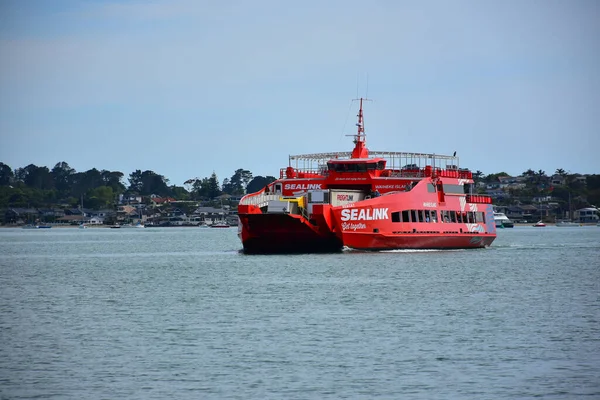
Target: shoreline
[(103, 226), (61, 226)]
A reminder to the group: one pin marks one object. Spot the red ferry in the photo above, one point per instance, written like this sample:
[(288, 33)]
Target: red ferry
[(368, 201)]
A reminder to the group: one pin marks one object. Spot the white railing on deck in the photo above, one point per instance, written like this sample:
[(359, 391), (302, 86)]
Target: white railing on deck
[(259, 199)]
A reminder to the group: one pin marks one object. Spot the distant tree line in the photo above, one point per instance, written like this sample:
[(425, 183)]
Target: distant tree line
[(39, 186), (35, 186), (574, 190)]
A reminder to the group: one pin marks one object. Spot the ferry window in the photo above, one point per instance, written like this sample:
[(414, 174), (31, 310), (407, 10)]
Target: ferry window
[(471, 217), (480, 217), (413, 216), (467, 188), (405, 217), (433, 216), (459, 217), (380, 165), (452, 216), (422, 217), (371, 166), (454, 189), (396, 216), (430, 188)]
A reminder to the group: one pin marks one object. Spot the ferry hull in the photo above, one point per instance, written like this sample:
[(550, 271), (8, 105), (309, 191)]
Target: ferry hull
[(284, 234), (371, 241)]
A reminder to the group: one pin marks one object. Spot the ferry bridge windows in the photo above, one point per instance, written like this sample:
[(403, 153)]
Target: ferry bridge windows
[(351, 167), (453, 189)]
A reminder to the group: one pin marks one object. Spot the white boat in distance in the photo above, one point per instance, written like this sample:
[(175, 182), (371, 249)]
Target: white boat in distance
[(126, 226), (34, 226), (220, 224), (502, 221), (82, 225), (566, 223)]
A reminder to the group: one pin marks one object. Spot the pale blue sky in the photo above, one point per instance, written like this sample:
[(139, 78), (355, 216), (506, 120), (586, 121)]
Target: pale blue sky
[(185, 87)]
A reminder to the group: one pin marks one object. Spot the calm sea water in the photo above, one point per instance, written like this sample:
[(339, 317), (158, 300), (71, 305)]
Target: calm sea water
[(168, 313)]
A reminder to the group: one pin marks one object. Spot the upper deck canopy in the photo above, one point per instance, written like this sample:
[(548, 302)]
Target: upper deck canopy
[(394, 159)]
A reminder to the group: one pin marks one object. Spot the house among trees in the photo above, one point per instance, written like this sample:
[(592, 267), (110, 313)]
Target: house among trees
[(587, 215)]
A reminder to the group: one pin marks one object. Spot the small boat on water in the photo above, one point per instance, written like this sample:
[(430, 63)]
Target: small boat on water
[(220, 224), (128, 226), (366, 200), (566, 223), (82, 225), (502, 221), (36, 226), (539, 224)]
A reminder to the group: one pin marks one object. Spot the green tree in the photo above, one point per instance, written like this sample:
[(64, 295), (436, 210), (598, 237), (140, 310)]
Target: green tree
[(179, 192), (113, 179), (61, 175), (238, 182), (135, 181), (258, 183), (493, 178), (213, 189), (205, 188), (6, 174), (561, 172), (35, 177), (100, 197), (148, 182), (194, 188)]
